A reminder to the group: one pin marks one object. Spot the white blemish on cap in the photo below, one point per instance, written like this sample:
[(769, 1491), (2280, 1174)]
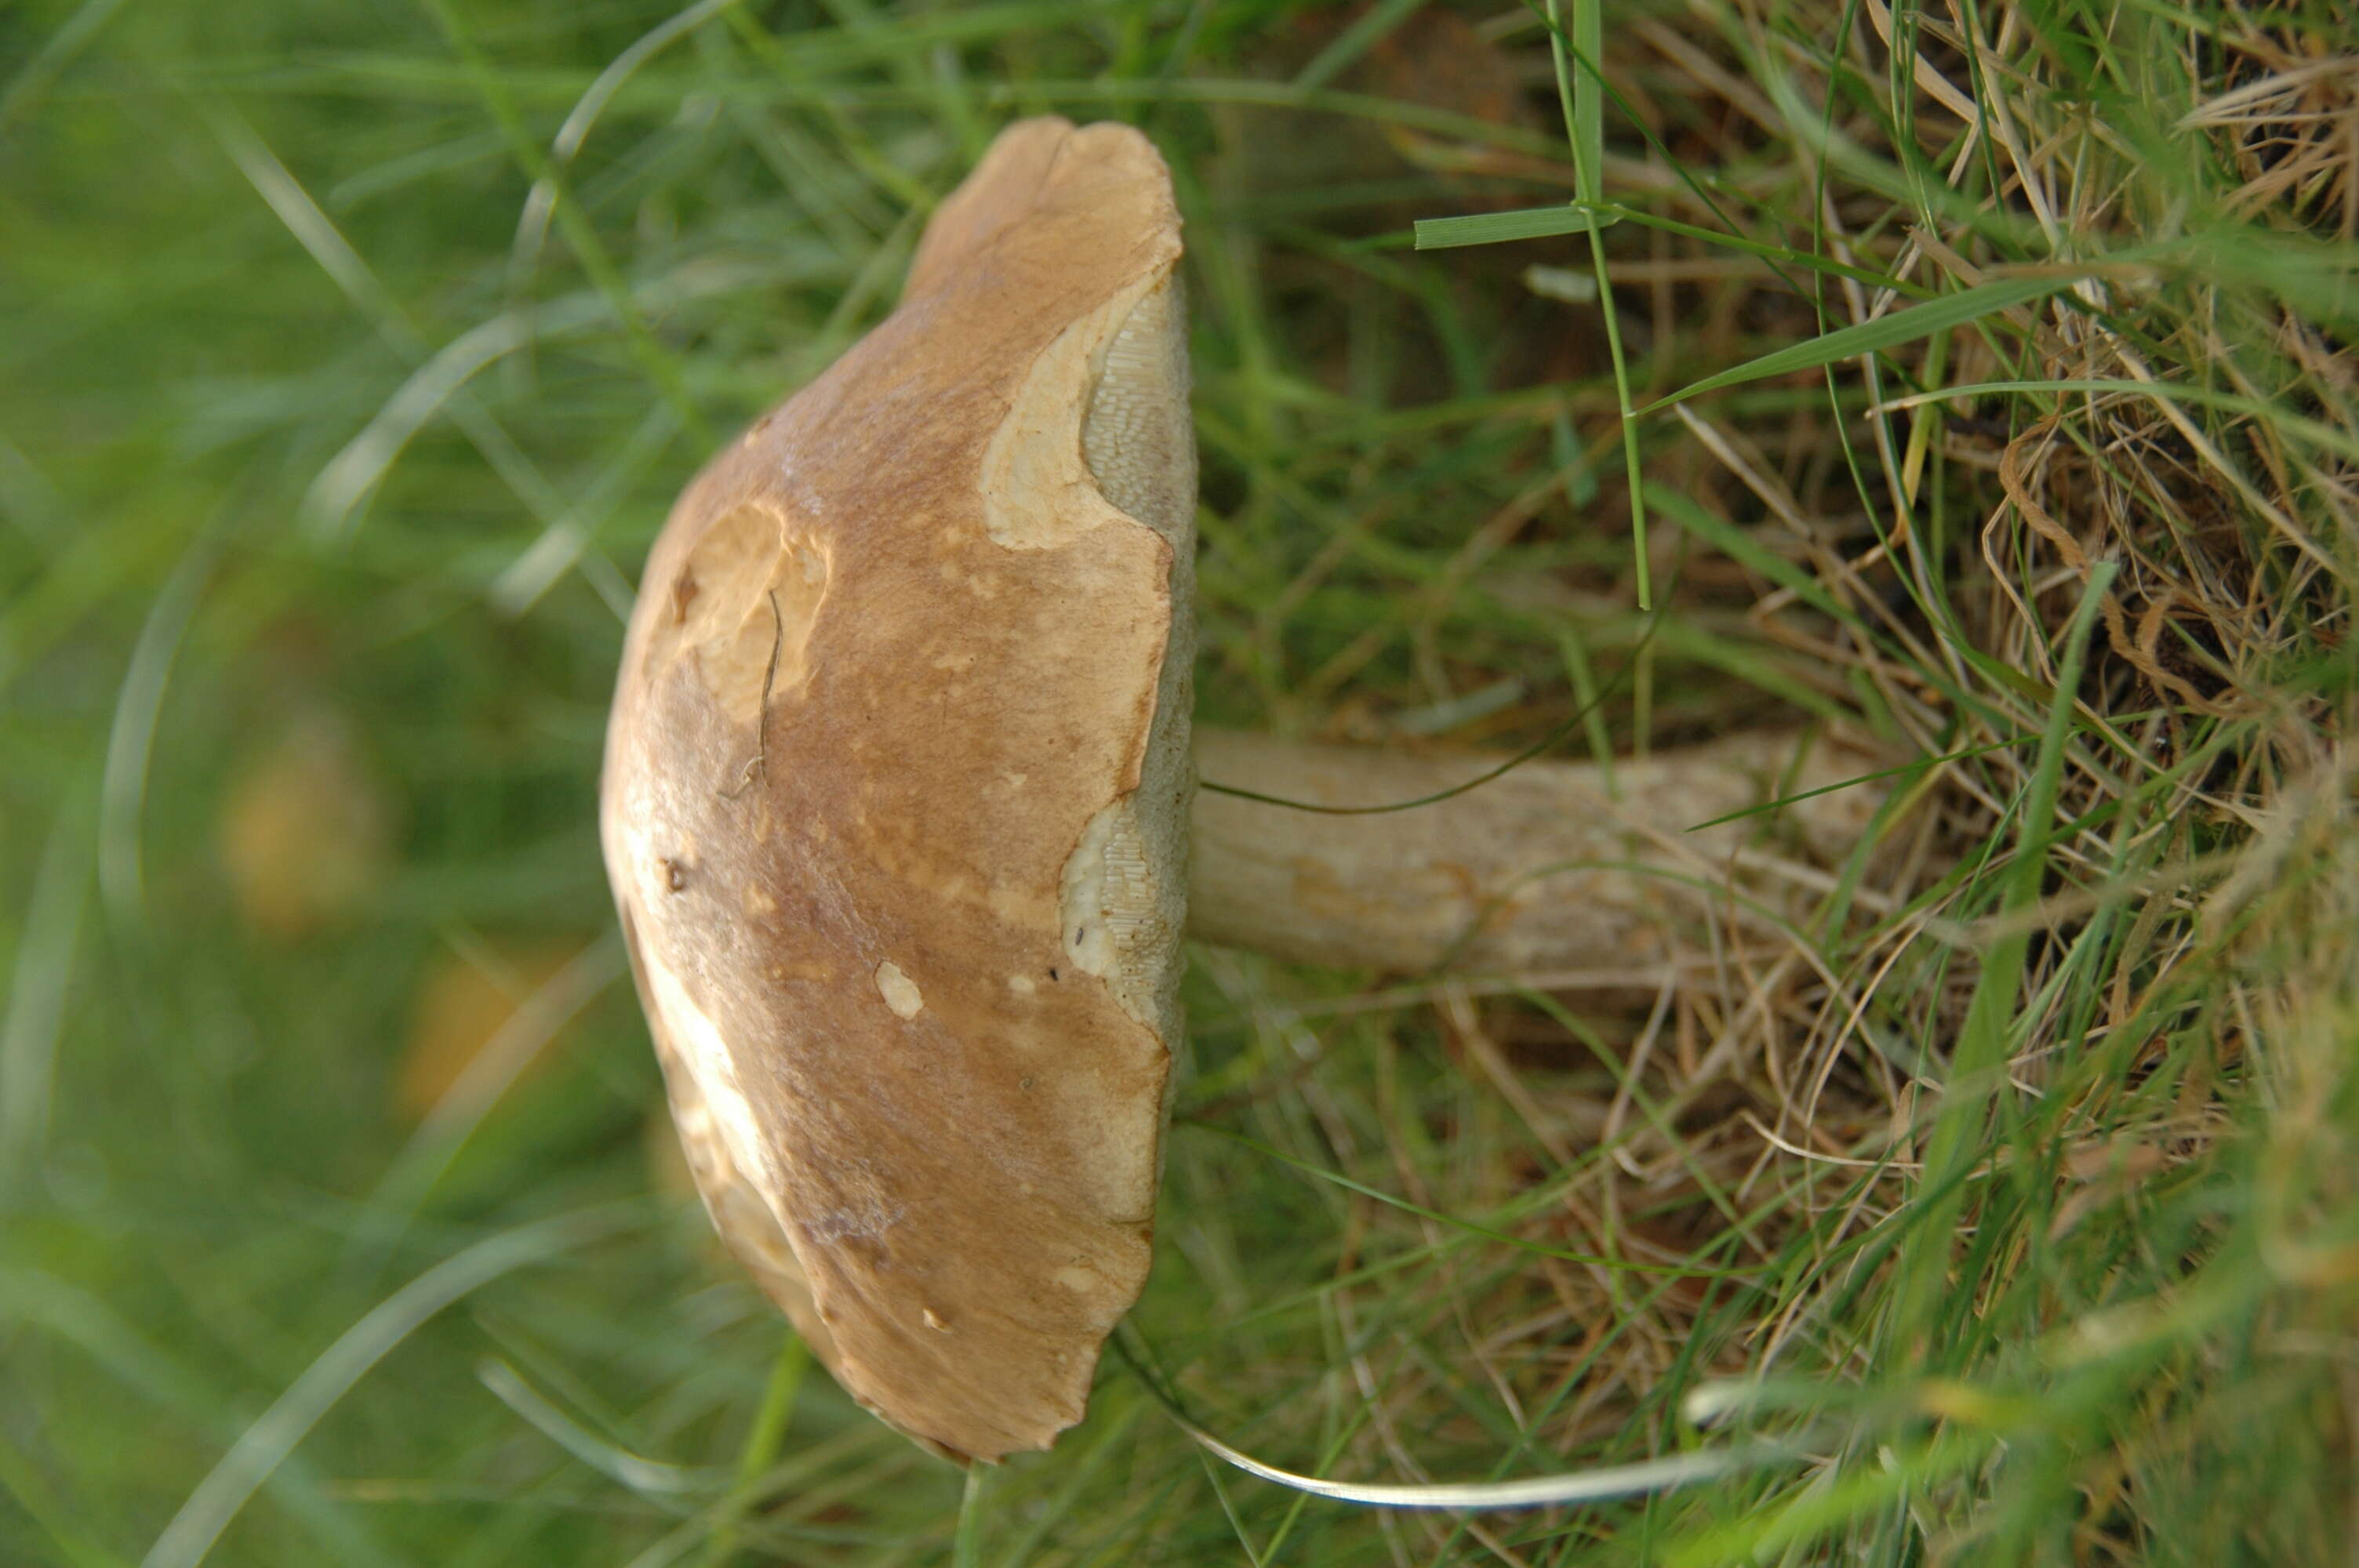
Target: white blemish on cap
[(698, 1041), (899, 991)]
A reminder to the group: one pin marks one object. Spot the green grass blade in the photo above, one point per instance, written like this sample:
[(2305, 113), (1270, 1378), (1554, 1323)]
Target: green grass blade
[(1882, 333), (1499, 228)]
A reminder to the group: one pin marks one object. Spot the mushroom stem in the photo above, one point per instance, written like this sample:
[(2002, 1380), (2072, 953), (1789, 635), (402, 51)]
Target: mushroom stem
[(1550, 865)]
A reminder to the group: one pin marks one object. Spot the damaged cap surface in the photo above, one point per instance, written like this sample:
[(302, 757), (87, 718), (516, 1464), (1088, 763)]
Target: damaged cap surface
[(895, 793)]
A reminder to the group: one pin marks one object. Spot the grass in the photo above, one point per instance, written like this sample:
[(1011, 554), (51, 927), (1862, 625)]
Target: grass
[(1992, 397)]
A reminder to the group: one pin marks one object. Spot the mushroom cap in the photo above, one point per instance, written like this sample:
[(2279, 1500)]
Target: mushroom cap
[(895, 800)]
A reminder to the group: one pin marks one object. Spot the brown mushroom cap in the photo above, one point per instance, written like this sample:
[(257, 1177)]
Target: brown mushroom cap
[(894, 798)]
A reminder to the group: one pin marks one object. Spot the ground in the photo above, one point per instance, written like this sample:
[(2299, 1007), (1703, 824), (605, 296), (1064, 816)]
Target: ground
[(1972, 379)]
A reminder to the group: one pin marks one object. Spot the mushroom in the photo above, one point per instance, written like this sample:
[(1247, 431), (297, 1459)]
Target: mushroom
[(898, 798)]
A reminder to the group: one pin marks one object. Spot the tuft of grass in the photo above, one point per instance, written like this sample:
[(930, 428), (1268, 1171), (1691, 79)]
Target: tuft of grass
[(1974, 377)]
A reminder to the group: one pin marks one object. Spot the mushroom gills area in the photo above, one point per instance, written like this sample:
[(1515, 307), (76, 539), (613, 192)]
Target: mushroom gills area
[(1125, 892)]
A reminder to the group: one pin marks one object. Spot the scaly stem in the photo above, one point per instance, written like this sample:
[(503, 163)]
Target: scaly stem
[(1550, 866)]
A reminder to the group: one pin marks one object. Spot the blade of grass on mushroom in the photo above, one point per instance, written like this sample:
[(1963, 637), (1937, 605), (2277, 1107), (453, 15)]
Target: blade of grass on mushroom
[(1556, 735)]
